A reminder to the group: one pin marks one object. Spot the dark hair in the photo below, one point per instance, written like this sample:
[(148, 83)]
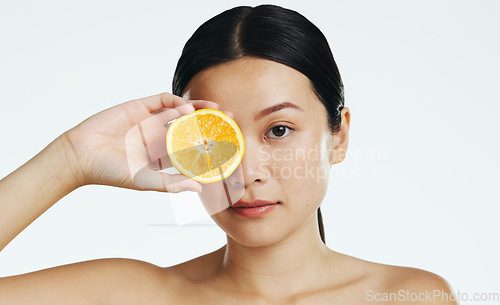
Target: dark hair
[(268, 32)]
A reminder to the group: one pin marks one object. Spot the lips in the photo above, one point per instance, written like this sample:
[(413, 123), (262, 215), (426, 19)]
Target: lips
[(253, 204), (253, 209)]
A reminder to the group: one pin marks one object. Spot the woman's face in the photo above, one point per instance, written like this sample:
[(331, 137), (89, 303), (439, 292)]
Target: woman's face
[(288, 148)]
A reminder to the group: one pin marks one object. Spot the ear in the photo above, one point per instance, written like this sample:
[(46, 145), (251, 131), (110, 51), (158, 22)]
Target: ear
[(340, 140)]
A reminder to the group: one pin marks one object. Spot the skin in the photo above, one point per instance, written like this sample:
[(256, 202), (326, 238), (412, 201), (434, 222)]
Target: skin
[(278, 258)]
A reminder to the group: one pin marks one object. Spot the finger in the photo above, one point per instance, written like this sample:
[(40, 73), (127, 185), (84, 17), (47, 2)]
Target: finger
[(200, 104), (145, 142), (164, 163), (159, 101), (148, 179), (229, 114), (185, 109), (153, 130), (168, 114)]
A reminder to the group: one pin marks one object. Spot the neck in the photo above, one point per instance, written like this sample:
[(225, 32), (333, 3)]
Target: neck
[(281, 269)]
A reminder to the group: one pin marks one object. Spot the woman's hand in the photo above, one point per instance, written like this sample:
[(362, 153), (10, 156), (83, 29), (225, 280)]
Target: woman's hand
[(97, 148)]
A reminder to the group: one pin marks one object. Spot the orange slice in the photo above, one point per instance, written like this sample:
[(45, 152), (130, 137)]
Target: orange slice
[(206, 145)]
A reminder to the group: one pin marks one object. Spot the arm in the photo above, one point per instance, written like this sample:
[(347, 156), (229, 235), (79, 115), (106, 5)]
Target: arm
[(103, 281), (94, 152), (33, 188)]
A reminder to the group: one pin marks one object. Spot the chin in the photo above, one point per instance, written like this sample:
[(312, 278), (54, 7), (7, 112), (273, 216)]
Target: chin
[(254, 240), (250, 233)]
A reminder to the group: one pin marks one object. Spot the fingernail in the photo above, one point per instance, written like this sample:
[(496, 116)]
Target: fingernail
[(185, 108)]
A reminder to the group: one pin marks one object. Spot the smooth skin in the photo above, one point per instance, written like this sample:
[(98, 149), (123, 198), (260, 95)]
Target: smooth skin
[(278, 258)]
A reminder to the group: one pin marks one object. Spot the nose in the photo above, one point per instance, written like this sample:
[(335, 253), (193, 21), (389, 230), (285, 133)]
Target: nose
[(254, 165)]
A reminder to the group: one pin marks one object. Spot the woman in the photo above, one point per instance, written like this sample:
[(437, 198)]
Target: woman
[(273, 72)]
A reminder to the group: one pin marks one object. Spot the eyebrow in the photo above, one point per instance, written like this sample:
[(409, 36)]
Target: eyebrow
[(275, 108)]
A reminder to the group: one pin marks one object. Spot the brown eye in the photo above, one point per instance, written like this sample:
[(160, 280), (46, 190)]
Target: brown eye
[(279, 131)]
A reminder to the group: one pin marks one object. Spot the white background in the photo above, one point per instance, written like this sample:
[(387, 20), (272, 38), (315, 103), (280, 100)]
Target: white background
[(419, 186)]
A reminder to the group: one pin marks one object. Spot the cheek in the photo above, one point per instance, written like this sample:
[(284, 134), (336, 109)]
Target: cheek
[(303, 182), (302, 170)]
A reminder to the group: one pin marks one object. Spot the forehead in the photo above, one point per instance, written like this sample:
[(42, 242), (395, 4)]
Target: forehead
[(252, 83)]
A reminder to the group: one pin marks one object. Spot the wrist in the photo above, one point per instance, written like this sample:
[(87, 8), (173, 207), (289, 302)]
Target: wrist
[(64, 162)]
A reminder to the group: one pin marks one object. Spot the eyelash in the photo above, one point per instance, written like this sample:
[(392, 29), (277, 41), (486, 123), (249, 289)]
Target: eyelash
[(284, 136)]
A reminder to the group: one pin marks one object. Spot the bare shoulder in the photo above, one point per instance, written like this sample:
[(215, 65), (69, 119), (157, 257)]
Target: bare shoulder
[(196, 270), (415, 286), (416, 278), (390, 284), (110, 281)]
